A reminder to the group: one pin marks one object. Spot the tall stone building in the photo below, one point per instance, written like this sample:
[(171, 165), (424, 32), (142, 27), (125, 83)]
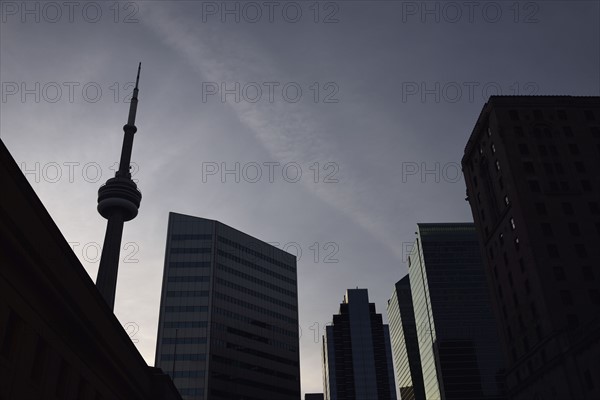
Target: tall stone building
[(531, 169)]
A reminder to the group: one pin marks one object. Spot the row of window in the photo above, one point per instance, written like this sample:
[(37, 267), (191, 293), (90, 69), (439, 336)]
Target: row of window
[(191, 236), (187, 374), (184, 340), (44, 357), (256, 294), (261, 354), (185, 324), (256, 267), (257, 254), (253, 279), (189, 264), (540, 115), (252, 383), (194, 309), (252, 321), (187, 293), (254, 307), (183, 357), (253, 367), (546, 132), (189, 278), (191, 250)]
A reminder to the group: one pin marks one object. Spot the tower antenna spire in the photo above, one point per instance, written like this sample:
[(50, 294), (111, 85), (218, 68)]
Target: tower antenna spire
[(118, 201)]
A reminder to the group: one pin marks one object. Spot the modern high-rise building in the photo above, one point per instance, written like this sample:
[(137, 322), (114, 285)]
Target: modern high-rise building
[(531, 169), (357, 359), (460, 351), (405, 345), (228, 325)]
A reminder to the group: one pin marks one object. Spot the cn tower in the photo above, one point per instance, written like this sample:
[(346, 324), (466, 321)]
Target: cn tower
[(118, 201)]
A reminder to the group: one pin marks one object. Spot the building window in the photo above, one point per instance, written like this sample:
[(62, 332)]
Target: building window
[(493, 149), (501, 239), (567, 208), (547, 229), (581, 250), (594, 209), (595, 296), (517, 243), (512, 224), (573, 148), (552, 250), (567, 131), (595, 131), (589, 115), (588, 273), (574, 229), (542, 150), (514, 115), (506, 201), (580, 167), (497, 165), (528, 167), (562, 115), (566, 298), (541, 208), (523, 149), (489, 131), (559, 168), (518, 131), (572, 321), (534, 186), (559, 273), (537, 114)]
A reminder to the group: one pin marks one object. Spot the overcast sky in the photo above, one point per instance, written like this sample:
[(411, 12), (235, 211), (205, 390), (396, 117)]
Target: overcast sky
[(345, 120)]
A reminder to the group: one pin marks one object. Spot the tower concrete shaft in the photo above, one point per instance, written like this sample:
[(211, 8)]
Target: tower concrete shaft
[(118, 201)]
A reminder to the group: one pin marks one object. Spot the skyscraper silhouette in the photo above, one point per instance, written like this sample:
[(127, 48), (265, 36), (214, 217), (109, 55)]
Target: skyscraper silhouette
[(405, 344), (228, 325), (357, 358), (531, 169), (460, 351)]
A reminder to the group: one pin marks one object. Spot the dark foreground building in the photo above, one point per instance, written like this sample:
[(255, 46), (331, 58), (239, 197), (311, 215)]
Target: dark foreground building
[(460, 351), (405, 344), (357, 359), (228, 326), (532, 168), (58, 337)]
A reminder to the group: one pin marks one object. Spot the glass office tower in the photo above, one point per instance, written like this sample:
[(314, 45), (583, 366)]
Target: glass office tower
[(405, 345), (460, 351), (357, 359), (228, 325)]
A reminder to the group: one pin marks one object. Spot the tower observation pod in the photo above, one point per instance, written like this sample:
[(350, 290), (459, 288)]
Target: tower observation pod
[(118, 201)]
